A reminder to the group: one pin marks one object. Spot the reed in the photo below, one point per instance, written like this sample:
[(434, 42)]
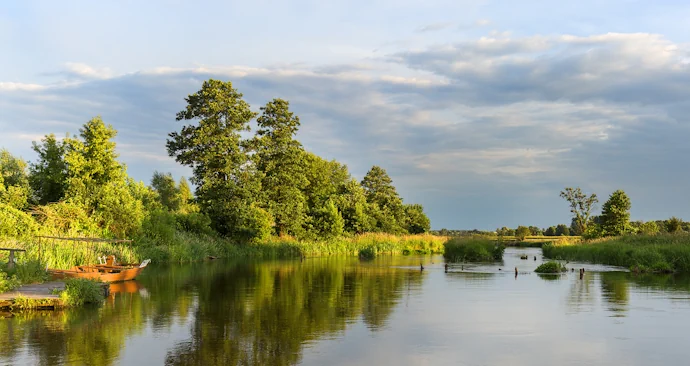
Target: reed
[(473, 250), (639, 253)]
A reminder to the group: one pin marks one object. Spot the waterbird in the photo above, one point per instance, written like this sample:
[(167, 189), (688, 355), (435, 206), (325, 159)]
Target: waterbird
[(535, 257), (421, 267)]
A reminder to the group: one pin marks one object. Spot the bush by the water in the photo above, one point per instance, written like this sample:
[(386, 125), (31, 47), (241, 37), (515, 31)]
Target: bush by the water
[(80, 291), (473, 250), (550, 267), (641, 253), (367, 253), (7, 282)]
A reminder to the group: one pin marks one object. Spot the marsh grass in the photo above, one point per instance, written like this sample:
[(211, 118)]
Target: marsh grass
[(550, 267), (640, 253), (473, 250)]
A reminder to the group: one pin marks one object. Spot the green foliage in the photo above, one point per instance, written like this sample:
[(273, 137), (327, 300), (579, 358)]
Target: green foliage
[(638, 251), (416, 220), (522, 232), (15, 190), (327, 221), (615, 214), (472, 250), (551, 231), (562, 230), (367, 253), (504, 231), (355, 209), (551, 267), (7, 282), (159, 227), (80, 291), (649, 228), (535, 231), (581, 206), (674, 225), (168, 192), (15, 223), (194, 222), (48, 176), (186, 197), (594, 231), (227, 184)]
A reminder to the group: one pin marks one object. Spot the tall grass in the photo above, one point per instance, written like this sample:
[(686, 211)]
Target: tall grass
[(183, 246), (640, 253), (473, 250)]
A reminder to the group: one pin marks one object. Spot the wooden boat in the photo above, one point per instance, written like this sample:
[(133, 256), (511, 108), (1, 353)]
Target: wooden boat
[(103, 272)]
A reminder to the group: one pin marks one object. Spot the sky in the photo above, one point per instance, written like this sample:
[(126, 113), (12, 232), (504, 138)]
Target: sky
[(481, 111)]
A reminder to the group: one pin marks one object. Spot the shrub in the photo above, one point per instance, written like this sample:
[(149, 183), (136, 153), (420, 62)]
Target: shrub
[(80, 291), (367, 253), (473, 250), (7, 282), (194, 222), (550, 267)]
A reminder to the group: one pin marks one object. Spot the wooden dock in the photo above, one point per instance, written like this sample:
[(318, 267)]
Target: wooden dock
[(40, 291)]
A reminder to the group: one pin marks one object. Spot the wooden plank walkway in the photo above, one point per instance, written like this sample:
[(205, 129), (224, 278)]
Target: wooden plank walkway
[(39, 291)]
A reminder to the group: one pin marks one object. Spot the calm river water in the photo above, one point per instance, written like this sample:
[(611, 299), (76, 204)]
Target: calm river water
[(339, 311)]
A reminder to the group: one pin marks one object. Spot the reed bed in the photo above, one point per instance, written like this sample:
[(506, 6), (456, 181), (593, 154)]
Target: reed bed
[(473, 250), (639, 253)]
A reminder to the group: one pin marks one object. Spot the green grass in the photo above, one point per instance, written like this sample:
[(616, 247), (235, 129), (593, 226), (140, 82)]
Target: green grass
[(473, 250), (550, 267), (640, 253), (80, 291)]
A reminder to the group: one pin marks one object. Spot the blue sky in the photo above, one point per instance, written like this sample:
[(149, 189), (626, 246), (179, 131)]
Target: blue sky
[(482, 111)]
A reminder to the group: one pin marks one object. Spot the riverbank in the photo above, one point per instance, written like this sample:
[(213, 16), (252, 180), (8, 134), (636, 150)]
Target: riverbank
[(665, 253)]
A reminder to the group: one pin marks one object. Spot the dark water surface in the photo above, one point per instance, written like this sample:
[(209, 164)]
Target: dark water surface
[(339, 311)]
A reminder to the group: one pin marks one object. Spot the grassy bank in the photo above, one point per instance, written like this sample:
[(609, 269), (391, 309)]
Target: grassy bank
[(473, 250), (186, 247), (658, 253)]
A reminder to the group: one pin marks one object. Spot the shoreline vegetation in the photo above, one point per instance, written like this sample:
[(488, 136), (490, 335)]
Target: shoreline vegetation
[(259, 195)]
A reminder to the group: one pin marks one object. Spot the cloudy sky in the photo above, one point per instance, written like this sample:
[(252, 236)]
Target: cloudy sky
[(482, 111)]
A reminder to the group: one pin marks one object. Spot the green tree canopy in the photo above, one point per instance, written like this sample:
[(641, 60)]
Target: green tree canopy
[(522, 232), (15, 190), (48, 176), (615, 214), (227, 182), (168, 192)]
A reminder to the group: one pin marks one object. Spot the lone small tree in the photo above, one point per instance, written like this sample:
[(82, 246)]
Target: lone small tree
[(615, 213), (580, 205), (522, 232)]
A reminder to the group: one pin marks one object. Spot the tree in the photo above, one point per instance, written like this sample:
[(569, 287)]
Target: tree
[(551, 231), (504, 231), (227, 183), (562, 230), (352, 203), (580, 205), (48, 176), (386, 204), (186, 197), (673, 225), (168, 192), (649, 228), (535, 231), (14, 183), (327, 221), (416, 220), (522, 232), (615, 214), (280, 160)]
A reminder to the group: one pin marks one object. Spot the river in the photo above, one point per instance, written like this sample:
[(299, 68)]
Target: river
[(340, 311)]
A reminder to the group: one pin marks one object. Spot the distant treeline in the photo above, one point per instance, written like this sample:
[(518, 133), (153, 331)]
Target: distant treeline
[(614, 220)]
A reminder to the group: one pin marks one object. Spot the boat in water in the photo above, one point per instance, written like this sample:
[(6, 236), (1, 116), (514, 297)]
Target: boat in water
[(103, 272), (108, 270)]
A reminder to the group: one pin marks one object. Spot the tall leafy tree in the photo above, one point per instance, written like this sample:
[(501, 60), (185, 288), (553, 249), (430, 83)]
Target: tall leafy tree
[(615, 215), (227, 183), (99, 182), (352, 203), (522, 232), (280, 160), (387, 204), (416, 220), (168, 192), (186, 196), (562, 230), (48, 176), (581, 205), (14, 182)]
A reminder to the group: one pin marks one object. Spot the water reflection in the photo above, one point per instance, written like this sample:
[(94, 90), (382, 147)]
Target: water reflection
[(343, 311)]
